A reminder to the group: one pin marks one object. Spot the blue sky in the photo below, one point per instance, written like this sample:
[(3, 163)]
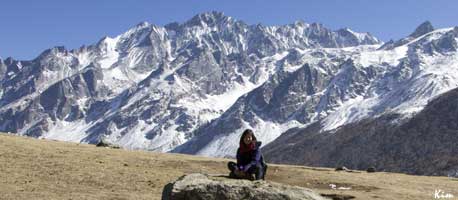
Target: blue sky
[(29, 27)]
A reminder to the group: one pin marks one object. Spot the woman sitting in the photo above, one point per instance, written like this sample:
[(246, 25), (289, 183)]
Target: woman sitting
[(249, 159)]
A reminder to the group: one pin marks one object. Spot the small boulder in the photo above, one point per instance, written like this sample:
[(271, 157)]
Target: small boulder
[(370, 169), (103, 143), (343, 168), (200, 186)]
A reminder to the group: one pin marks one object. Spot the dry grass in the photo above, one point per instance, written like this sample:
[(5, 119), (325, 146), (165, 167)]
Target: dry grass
[(39, 169)]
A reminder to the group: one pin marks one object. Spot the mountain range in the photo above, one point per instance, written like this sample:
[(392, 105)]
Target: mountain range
[(312, 95)]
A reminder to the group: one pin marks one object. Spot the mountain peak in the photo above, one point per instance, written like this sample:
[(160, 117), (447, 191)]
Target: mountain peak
[(316, 25), (422, 29), (209, 18), (142, 24), (211, 14), (9, 60), (300, 23)]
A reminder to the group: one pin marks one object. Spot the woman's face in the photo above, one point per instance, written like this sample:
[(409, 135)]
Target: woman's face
[(247, 139)]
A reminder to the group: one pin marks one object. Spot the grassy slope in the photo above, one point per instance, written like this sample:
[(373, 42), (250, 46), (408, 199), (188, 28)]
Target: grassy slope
[(38, 169)]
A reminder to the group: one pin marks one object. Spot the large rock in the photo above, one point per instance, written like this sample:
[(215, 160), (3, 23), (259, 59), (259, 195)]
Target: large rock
[(200, 186)]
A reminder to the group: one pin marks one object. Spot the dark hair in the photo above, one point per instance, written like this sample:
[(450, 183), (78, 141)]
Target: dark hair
[(245, 133)]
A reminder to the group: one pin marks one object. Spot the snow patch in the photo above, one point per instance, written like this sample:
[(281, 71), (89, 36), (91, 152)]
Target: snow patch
[(67, 131), (391, 57), (110, 54)]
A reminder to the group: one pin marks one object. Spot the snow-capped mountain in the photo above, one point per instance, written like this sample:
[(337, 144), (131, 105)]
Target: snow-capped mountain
[(337, 86), (405, 122), (151, 87), (193, 87)]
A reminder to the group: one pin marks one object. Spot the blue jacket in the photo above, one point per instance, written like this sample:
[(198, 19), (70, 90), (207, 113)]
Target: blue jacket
[(248, 159)]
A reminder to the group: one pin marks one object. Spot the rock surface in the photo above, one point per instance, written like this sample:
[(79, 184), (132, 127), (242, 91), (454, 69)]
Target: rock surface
[(200, 186)]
